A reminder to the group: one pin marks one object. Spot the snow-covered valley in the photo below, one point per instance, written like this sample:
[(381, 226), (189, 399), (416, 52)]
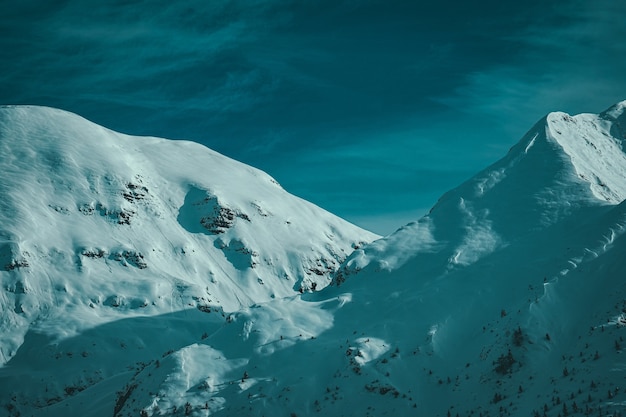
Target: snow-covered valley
[(145, 277)]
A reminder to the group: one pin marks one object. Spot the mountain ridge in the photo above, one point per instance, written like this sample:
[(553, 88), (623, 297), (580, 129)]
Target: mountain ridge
[(506, 299), (157, 215), (540, 156)]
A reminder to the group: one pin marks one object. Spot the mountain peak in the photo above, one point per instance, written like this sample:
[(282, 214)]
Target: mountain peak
[(616, 111), (511, 277), (595, 145), (563, 166), (105, 225)]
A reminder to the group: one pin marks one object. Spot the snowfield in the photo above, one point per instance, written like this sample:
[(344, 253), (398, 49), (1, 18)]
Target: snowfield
[(148, 277)]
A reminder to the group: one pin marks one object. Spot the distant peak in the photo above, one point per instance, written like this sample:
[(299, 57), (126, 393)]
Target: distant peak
[(616, 111)]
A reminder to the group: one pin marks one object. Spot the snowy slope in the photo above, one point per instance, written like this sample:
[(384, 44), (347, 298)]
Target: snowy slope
[(98, 227), (508, 298), (526, 256)]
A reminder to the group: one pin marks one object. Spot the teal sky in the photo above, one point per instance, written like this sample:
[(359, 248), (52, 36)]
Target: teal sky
[(370, 109)]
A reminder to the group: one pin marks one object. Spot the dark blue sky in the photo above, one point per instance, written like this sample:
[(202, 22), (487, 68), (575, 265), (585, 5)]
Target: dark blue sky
[(370, 109)]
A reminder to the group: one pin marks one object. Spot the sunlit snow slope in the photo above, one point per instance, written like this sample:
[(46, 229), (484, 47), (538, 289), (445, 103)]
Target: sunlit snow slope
[(508, 298), (98, 227)]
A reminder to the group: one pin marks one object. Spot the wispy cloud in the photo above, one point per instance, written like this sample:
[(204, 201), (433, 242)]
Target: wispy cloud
[(572, 59), (147, 53)]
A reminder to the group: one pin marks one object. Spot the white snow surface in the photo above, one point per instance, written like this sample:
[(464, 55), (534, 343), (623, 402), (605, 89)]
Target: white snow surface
[(97, 227), (150, 277)]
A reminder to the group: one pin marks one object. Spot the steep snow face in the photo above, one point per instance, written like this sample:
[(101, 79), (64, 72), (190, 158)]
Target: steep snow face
[(595, 145), (97, 226)]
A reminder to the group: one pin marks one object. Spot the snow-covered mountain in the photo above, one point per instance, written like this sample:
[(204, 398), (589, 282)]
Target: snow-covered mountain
[(98, 227), (509, 297), (149, 277)]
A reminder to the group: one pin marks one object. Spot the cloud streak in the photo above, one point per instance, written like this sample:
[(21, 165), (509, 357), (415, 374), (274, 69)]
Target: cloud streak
[(570, 60)]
